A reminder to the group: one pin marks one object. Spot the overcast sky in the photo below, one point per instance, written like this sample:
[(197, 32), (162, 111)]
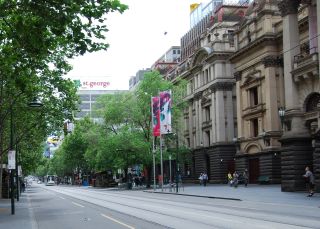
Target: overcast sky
[(136, 40)]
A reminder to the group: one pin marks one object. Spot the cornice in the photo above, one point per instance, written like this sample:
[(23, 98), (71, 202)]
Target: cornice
[(266, 39)]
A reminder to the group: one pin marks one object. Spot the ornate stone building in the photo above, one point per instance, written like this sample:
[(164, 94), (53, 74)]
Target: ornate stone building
[(277, 72), (210, 118)]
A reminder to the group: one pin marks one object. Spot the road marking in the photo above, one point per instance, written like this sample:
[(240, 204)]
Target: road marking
[(114, 220), (78, 204), (62, 198)]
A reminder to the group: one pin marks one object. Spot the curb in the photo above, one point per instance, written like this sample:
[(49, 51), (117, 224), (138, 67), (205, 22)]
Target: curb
[(210, 197)]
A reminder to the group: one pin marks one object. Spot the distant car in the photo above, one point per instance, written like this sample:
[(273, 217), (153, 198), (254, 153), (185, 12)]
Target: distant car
[(50, 183), (39, 182)]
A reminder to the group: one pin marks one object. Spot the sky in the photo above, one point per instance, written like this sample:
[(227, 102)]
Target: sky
[(136, 40)]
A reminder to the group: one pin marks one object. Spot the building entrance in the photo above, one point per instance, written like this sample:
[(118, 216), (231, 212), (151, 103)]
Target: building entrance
[(254, 170)]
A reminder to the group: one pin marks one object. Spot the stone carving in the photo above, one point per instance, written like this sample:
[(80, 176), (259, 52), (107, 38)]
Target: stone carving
[(288, 7), (272, 61)]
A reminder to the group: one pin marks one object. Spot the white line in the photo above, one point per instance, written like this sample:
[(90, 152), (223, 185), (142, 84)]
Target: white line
[(62, 198), (114, 220), (78, 204), (34, 224)]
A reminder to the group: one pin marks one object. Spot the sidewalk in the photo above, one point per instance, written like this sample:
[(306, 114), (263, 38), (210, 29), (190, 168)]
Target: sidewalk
[(254, 193), (22, 214)]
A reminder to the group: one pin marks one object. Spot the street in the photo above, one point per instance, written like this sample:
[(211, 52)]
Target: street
[(78, 207)]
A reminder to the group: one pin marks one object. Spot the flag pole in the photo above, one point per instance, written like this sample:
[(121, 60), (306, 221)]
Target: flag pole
[(161, 162), (154, 164)]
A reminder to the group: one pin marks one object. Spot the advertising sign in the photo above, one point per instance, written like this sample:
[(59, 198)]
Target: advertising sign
[(12, 159), (165, 112), (155, 116), (92, 84)]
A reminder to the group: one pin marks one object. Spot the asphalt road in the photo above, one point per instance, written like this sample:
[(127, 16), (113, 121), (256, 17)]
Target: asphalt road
[(53, 210), (136, 209)]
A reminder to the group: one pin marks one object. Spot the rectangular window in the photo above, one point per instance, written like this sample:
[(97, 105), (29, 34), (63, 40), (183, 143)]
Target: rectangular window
[(207, 113), (254, 127), (174, 51), (254, 99)]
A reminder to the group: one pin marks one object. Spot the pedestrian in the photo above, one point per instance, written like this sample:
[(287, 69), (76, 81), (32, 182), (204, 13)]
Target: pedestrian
[(201, 178), (205, 179), (309, 181), (235, 179), (245, 177), (230, 178)]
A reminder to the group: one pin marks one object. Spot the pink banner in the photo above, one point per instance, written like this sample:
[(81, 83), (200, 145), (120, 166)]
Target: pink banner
[(155, 116), (165, 112)]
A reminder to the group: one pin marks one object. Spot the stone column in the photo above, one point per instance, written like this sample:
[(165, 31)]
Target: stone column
[(318, 29), (213, 117), (229, 114), (192, 143), (196, 101), (220, 115), (291, 48), (237, 76), (313, 39), (272, 120)]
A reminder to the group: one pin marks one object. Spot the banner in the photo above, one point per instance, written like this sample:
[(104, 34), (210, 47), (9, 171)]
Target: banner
[(165, 112), (12, 159), (155, 116)]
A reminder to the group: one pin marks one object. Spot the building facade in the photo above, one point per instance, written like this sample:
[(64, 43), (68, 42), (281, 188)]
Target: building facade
[(210, 118), (277, 74)]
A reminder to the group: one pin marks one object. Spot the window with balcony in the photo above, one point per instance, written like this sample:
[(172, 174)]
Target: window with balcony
[(254, 99)]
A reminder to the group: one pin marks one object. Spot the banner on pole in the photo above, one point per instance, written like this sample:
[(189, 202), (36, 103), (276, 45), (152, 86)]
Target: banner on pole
[(12, 159), (165, 112), (155, 116), (19, 170)]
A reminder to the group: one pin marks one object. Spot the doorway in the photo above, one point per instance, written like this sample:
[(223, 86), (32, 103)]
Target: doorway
[(254, 170)]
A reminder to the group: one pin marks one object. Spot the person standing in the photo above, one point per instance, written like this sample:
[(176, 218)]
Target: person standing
[(230, 179), (309, 180), (235, 179), (245, 177), (205, 179), (201, 179)]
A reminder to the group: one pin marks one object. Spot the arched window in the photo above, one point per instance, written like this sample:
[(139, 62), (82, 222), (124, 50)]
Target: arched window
[(312, 102)]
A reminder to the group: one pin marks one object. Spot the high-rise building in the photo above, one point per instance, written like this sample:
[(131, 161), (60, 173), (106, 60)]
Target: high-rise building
[(134, 80)]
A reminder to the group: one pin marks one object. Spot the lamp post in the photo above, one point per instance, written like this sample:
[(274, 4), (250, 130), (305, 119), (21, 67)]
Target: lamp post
[(35, 103), (281, 115), (177, 163), (13, 154)]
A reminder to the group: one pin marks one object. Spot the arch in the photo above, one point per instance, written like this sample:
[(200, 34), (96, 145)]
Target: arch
[(200, 55), (252, 148), (312, 102)]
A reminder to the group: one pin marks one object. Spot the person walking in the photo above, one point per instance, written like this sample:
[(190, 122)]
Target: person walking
[(205, 179), (309, 181), (245, 177), (230, 178), (201, 179)]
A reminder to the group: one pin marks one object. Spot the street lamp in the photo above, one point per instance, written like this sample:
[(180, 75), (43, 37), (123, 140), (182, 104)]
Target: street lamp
[(281, 115), (177, 162), (33, 104)]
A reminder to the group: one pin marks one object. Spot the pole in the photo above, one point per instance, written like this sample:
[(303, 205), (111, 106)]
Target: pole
[(170, 168), (17, 174), (177, 163), (161, 163), (12, 170), (154, 164)]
